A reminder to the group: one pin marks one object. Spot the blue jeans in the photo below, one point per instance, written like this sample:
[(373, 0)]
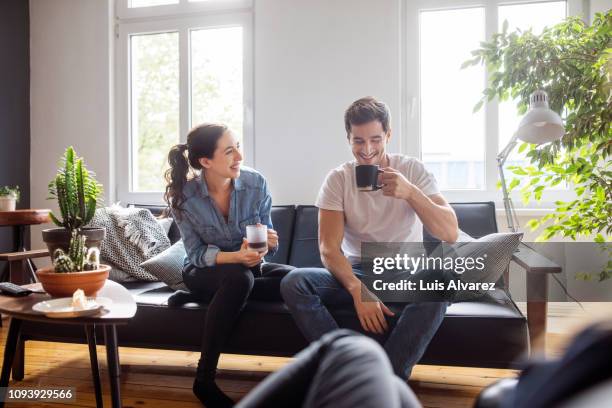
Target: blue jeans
[(309, 291)]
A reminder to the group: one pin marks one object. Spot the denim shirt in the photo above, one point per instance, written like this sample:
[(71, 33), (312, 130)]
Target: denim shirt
[(203, 227)]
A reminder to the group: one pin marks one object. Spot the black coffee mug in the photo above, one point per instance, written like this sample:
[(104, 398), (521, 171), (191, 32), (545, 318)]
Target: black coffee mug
[(367, 177)]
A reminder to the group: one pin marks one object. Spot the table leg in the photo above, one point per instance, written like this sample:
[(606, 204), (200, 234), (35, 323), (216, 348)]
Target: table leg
[(90, 332), (19, 360), (112, 359), (9, 352), (537, 305)]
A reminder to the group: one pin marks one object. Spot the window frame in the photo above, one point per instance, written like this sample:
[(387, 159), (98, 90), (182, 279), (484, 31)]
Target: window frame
[(410, 118), (126, 27)]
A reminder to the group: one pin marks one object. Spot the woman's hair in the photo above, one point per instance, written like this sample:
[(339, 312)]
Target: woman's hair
[(201, 142)]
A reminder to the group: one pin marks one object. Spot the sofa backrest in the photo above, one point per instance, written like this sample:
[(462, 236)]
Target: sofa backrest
[(298, 229), (305, 242), (283, 220)]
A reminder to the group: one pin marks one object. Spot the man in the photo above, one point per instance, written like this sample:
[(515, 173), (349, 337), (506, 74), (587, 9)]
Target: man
[(348, 217)]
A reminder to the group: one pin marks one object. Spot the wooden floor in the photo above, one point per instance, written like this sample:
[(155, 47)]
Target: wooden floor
[(152, 378)]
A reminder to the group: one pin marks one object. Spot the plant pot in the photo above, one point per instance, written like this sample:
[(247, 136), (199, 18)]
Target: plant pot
[(64, 284), (60, 238), (8, 203)]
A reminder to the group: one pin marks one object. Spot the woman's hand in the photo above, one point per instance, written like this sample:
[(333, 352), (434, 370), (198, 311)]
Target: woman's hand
[(272, 238), (248, 257)]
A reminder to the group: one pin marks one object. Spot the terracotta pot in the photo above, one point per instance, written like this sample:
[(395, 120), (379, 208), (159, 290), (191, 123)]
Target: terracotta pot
[(65, 283), (60, 238)]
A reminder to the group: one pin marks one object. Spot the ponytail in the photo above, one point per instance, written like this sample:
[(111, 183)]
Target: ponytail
[(201, 142), (176, 177)]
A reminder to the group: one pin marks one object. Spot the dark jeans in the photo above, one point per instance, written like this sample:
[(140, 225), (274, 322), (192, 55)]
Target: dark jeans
[(341, 370), (308, 292), (226, 288)]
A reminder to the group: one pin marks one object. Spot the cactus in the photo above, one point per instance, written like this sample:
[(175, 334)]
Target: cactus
[(62, 262), (74, 260), (93, 260), (76, 191)]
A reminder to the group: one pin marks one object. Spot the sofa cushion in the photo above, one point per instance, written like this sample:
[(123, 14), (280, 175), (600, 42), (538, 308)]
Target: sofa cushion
[(305, 244), (168, 266), (496, 251), (502, 332), (282, 220)]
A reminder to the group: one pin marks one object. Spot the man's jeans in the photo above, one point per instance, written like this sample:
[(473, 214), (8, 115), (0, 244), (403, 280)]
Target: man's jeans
[(309, 291)]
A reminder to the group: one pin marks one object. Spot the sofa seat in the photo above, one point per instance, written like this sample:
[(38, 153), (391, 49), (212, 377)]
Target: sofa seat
[(267, 328)]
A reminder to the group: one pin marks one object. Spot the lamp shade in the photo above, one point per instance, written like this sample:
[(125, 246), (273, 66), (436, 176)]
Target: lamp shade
[(540, 124)]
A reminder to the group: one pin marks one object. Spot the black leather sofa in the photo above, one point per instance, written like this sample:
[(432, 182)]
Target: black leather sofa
[(490, 332)]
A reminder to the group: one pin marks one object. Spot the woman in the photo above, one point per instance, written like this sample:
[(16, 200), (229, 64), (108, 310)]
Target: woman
[(212, 200)]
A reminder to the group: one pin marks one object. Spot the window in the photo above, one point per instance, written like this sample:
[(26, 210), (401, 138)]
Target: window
[(457, 145), (174, 73), (452, 137)]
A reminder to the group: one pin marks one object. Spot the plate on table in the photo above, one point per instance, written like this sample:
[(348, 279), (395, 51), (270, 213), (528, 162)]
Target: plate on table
[(62, 307)]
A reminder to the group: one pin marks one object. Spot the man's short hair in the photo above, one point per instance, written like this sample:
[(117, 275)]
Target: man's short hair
[(366, 110)]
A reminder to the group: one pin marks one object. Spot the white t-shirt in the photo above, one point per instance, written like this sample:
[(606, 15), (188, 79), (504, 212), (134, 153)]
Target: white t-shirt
[(371, 216)]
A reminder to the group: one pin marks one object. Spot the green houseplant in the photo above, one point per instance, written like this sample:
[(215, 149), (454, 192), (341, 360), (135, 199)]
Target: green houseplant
[(77, 193), (572, 62), (9, 197)]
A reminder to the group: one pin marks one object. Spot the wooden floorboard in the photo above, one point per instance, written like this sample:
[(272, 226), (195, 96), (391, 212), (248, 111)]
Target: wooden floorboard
[(163, 378)]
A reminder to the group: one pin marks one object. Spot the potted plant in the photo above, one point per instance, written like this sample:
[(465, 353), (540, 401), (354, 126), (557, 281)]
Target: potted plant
[(8, 198), (77, 193), (77, 268)]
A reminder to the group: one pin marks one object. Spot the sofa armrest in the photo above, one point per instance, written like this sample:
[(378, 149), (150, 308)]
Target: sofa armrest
[(533, 262), (537, 267)]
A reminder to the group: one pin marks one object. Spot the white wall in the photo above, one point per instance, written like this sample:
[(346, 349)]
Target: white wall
[(70, 87), (599, 6), (312, 59)]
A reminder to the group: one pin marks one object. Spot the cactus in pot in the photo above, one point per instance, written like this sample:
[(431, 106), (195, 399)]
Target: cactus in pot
[(79, 257), (77, 193)]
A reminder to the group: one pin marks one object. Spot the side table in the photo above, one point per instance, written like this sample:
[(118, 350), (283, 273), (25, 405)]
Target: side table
[(122, 309), (20, 220)]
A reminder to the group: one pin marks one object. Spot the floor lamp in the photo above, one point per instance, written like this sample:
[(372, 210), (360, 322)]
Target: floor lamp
[(539, 126)]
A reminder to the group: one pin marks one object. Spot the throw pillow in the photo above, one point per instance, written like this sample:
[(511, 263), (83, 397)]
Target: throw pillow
[(495, 250), (168, 266), (132, 237), (165, 223)]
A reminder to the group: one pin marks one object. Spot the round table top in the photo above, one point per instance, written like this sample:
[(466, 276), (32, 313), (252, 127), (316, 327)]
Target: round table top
[(24, 217), (122, 309)]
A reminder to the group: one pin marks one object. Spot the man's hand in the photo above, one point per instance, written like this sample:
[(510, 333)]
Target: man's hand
[(371, 311), (396, 185)]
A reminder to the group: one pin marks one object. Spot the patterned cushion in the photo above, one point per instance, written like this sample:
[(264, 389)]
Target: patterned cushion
[(132, 236), (168, 266), (496, 250)]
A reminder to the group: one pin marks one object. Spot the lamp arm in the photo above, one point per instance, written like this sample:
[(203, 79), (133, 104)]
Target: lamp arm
[(508, 205), (503, 155)]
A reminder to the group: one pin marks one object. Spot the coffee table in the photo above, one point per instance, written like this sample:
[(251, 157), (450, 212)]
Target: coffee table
[(122, 309)]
